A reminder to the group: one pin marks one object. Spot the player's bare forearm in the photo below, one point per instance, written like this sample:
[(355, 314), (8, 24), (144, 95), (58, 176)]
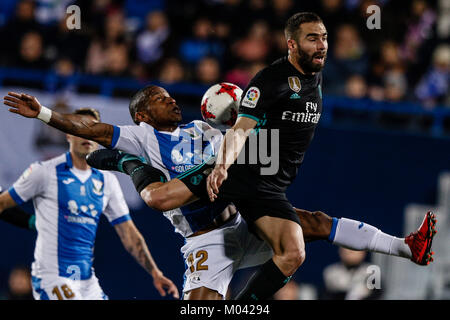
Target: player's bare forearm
[(135, 244), (78, 125), (83, 127), (234, 141), (142, 255), (228, 153)]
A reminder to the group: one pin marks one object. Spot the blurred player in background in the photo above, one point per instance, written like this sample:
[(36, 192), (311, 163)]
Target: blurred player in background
[(217, 242), (69, 198)]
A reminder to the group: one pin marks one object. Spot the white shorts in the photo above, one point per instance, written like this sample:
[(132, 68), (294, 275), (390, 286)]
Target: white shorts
[(60, 288), (212, 258)]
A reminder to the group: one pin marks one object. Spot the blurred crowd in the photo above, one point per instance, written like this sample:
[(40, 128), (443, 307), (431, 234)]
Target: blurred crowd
[(206, 41)]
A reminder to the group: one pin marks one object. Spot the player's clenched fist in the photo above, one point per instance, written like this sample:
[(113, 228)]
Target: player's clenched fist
[(23, 104)]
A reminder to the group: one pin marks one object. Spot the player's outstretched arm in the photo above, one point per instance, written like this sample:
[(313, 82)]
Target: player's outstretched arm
[(230, 148), (135, 244), (28, 106)]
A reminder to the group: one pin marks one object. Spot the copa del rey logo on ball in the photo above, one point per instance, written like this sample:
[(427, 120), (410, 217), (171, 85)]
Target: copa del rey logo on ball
[(220, 105)]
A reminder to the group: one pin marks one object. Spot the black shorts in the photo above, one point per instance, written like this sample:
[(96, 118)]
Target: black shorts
[(243, 191), (254, 208)]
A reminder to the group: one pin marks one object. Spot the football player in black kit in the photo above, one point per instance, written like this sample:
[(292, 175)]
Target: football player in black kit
[(284, 98)]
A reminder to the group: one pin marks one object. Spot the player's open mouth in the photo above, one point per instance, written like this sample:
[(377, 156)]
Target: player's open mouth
[(177, 110), (319, 59), (87, 144)]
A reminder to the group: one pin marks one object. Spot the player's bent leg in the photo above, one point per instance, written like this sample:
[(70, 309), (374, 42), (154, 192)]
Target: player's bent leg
[(360, 236), (202, 293), (141, 173), (357, 235), (285, 237), (316, 225)]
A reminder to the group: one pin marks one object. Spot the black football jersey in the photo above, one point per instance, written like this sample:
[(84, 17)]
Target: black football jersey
[(287, 104)]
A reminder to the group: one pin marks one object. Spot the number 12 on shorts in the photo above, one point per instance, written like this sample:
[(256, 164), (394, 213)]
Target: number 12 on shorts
[(202, 256)]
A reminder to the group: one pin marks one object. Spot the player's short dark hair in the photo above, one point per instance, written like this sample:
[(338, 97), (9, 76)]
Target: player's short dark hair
[(293, 23), (88, 112), (140, 100)]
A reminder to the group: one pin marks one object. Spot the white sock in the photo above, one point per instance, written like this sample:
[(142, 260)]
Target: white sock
[(356, 235)]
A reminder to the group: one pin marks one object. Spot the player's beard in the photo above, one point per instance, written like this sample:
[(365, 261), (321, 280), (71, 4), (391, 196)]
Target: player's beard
[(305, 61)]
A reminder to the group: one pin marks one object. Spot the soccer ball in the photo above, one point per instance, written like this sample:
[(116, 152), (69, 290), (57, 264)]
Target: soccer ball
[(220, 105)]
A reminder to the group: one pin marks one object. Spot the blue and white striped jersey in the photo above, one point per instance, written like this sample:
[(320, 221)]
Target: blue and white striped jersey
[(68, 208), (174, 153)]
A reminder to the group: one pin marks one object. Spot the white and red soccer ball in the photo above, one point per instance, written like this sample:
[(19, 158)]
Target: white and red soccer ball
[(220, 105)]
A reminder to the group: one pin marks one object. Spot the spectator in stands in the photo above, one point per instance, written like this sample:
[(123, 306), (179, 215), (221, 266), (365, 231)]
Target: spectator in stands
[(110, 46), (255, 46), (64, 67), (208, 71), (240, 75), (70, 44), (333, 13), (109, 54), (433, 88), (348, 56), (114, 27), (19, 285), (385, 70), (347, 279), (149, 43), (356, 87), (96, 57), (257, 10), (51, 12), (243, 73), (281, 11), (279, 45), (391, 22), (24, 21), (95, 13), (201, 43), (138, 9), (401, 50), (117, 60), (420, 27), (171, 72), (31, 52), (395, 85)]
